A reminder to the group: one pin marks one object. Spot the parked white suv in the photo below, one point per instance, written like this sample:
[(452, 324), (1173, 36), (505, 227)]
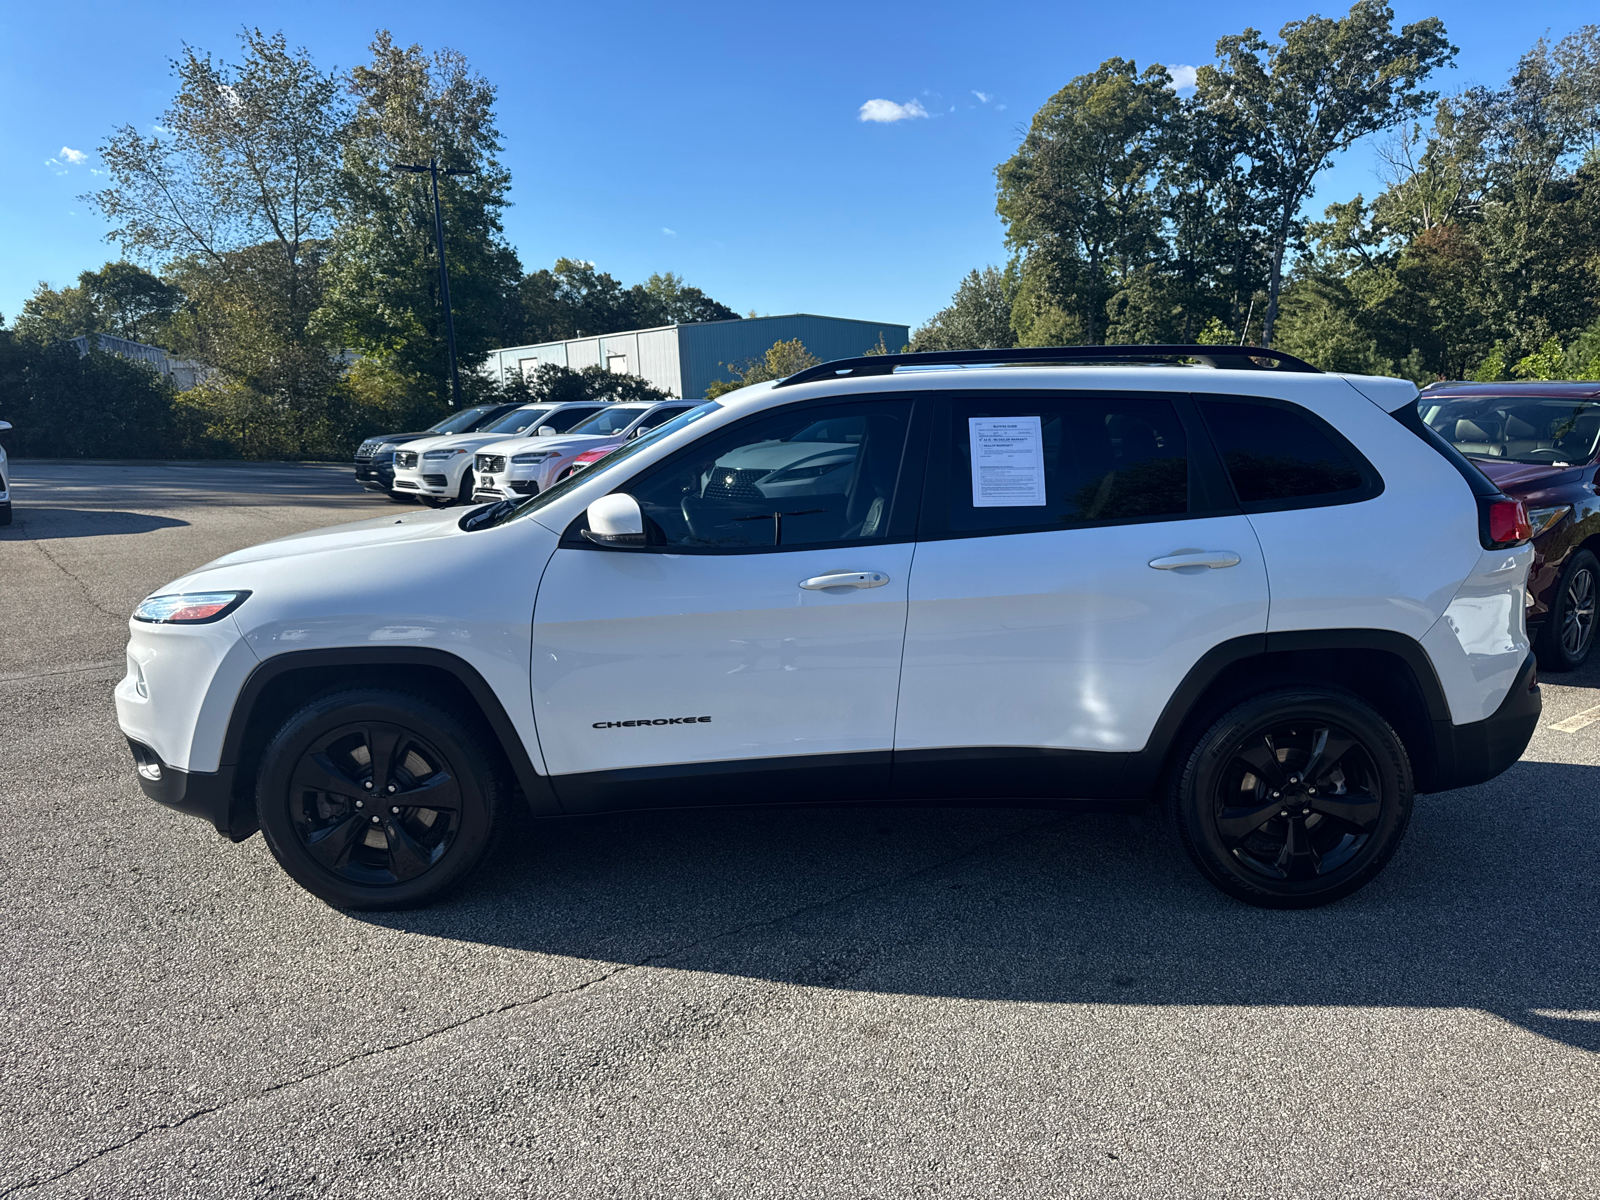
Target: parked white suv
[(1271, 598), (440, 468), (5, 475), (526, 467)]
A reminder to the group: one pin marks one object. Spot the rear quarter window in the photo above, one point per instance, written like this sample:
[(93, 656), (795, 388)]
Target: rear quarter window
[(1278, 455)]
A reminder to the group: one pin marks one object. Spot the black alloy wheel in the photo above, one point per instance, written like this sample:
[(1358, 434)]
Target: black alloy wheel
[(377, 799), (1294, 799), (1567, 638)]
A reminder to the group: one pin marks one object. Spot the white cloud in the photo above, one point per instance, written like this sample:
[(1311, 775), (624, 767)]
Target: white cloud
[(983, 97), (76, 157), (669, 232), (1182, 76), (887, 111)]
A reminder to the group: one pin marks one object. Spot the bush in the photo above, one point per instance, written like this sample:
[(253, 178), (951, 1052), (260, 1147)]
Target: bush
[(64, 405)]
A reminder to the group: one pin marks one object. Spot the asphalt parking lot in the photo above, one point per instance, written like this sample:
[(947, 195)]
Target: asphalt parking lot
[(804, 1002)]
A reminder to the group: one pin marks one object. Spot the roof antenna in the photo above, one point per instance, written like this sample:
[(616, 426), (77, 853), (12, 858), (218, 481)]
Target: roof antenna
[(1245, 332)]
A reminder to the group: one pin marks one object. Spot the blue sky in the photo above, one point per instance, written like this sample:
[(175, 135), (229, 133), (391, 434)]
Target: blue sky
[(722, 141)]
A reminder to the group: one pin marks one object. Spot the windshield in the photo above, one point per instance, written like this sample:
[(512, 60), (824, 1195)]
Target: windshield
[(1523, 429), (613, 418), (517, 420), (462, 421), (510, 510)]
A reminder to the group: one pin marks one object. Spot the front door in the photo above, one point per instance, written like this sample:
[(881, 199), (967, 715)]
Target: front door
[(751, 652), (1078, 557)]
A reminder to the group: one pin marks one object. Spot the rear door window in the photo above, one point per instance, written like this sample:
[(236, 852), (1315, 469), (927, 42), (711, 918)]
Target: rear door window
[(1279, 455), (1018, 463)]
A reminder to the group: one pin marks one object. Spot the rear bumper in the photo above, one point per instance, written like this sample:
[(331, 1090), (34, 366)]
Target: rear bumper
[(1473, 753), (205, 794)]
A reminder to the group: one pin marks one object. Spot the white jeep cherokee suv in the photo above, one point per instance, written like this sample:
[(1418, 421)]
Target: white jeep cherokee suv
[(1271, 598), (526, 467), (439, 469)]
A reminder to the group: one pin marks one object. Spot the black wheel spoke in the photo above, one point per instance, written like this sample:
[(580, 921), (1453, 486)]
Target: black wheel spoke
[(407, 856), (382, 742), (438, 790), (332, 846), (1328, 746), (1360, 809), (1298, 859), (1236, 824), (1262, 756), (317, 771)]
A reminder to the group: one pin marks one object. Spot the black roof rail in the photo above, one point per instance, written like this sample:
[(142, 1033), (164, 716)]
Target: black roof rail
[(1227, 357)]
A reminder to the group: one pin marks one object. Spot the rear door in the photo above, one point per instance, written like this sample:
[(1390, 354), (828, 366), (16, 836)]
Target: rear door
[(751, 652), (1078, 554)]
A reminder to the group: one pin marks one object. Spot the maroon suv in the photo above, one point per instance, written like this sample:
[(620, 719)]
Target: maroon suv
[(1538, 441)]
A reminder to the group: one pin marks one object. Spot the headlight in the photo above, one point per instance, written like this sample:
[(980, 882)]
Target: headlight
[(383, 447), (534, 456), (1547, 518), (438, 454), (188, 608)]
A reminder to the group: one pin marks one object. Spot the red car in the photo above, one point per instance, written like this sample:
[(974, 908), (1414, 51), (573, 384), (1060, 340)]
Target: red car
[(587, 457), (1540, 442)]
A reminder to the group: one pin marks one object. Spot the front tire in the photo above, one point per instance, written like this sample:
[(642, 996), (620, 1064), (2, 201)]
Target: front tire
[(1568, 636), (5, 514), (378, 799), (1293, 799)]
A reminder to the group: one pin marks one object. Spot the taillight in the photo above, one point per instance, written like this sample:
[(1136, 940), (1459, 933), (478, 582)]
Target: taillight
[(1505, 523)]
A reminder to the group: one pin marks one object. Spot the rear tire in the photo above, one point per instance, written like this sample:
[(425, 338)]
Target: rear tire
[(1293, 799), (1568, 636), (378, 799)]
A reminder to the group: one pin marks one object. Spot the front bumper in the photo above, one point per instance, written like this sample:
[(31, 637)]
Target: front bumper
[(497, 487), (375, 475), (419, 483), (207, 794), (1480, 750)]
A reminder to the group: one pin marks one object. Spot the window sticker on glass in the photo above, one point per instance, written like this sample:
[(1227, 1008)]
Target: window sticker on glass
[(1007, 462)]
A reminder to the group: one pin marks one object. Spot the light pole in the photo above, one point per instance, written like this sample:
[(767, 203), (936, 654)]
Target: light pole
[(432, 169)]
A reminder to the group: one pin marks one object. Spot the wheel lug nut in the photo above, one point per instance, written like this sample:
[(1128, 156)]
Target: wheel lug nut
[(395, 809), (367, 783), (361, 803), (1275, 795), (374, 820), (392, 788)]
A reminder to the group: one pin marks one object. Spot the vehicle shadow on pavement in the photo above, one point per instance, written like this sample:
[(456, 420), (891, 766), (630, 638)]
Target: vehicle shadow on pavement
[(1491, 904), (34, 524)]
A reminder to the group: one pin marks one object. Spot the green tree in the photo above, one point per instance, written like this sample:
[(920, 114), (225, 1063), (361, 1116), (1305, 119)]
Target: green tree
[(382, 295), (779, 362), (552, 383), (1303, 99), (576, 299), (240, 192), (94, 405), (1077, 197), (978, 316), (121, 299)]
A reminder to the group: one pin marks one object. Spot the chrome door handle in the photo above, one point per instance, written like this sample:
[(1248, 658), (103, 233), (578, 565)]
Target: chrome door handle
[(1196, 558), (855, 579)]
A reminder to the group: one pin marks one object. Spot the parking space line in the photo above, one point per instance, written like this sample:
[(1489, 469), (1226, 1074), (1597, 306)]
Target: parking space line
[(1578, 720)]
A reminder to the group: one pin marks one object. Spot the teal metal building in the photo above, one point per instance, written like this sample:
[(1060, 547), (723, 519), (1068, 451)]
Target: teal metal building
[(685, 359)]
